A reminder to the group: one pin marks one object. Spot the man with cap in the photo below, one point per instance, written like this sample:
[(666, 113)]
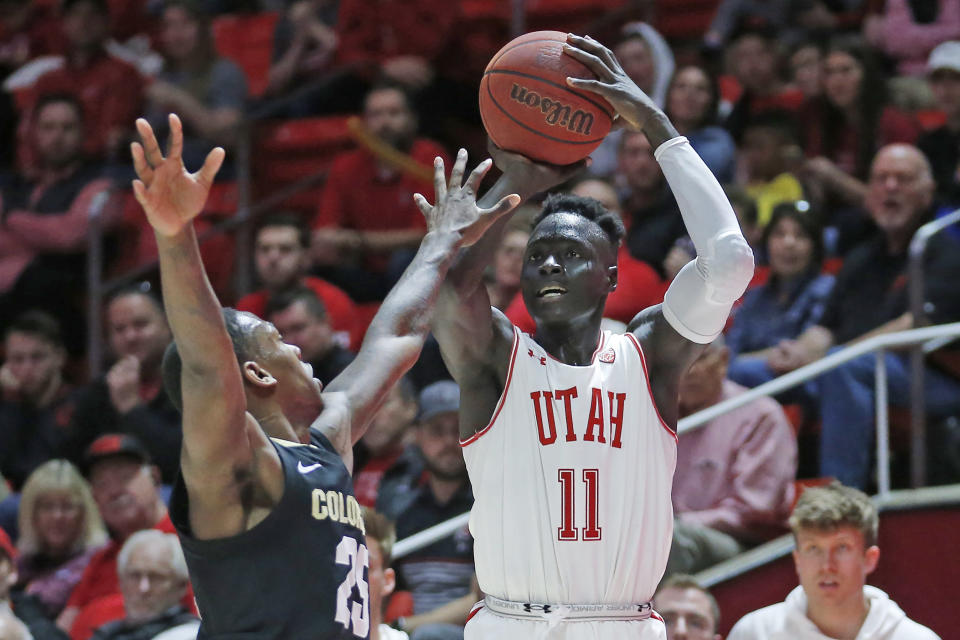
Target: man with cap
[(21, 615), (125, 487), (942, 145), (429, 485)]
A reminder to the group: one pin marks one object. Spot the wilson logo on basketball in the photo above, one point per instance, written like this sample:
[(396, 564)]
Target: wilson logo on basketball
[(556, 113)]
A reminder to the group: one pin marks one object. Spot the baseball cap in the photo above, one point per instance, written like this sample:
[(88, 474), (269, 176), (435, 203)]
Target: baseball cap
[(114, 444), (439, 397), (945, 55), (6, 546)]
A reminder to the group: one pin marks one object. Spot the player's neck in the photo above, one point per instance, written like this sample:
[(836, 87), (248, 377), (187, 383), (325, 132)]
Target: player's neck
[(841, 620), (572, 342), (276, 425)]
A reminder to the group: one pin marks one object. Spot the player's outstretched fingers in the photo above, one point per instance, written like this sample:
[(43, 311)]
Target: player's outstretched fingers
[(476, 176), (590, 60), (459, 167), (150, 145), (140, 193), (439, 180), (425, 207), (175, 149), (211, 166), (144, 172)]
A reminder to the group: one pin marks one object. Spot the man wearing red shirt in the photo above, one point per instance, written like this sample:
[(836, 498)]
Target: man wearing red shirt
[(124, 486), (110, 90), (368, 227)]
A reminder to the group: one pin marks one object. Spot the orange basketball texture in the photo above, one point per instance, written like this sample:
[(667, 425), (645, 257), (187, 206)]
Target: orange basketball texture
[(528, 107)]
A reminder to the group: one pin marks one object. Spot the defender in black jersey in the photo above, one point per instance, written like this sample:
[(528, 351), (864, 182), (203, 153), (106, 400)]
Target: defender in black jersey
[(264, 504)]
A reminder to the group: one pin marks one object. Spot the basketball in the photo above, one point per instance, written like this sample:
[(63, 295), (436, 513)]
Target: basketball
[(528, 108)]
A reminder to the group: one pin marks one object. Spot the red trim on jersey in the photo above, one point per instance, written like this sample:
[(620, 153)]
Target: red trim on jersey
[(503, 396), (653, 614), (476, 609), (646, 375), (603, 335)]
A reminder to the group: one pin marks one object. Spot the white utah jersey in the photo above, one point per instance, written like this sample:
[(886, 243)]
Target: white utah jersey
[(571, 480)]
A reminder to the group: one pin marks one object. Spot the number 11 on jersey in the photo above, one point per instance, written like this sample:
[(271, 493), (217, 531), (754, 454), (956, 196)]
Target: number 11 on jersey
[(567, 480)]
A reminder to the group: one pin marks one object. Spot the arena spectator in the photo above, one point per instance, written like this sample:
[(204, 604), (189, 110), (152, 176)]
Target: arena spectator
[(755, 62), (846, 126), (207, 92), (36, 402), (362, 253), (130, 397), (385, 440), (302, 319), (908, 30), (304, 41), (769, 151), (689, 611), (21, 616), (45, 219), (942, 145), (835, 532), (418, 496), (806, 68), (650, 211), (60, 530), (110, 90), (281, 257), (692, 104), (153, 581), (647, 58), (734, 481), (381, 535), (125, 487), (791, 301), (27, 31), (870, 298), (504, 282)]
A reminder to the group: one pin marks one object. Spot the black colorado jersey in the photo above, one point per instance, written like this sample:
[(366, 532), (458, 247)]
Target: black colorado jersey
[(301, 573)]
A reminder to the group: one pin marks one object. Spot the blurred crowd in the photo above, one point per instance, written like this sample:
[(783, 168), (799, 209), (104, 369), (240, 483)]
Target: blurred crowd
[(834, 127)]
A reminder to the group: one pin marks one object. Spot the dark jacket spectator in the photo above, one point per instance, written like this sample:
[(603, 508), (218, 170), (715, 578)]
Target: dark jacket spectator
[(942, 145)]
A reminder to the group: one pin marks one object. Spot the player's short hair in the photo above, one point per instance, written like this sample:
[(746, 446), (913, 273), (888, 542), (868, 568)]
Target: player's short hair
[(245, 347), (609, 223), (285, 299), (37, 324), (686, 581), (287, 219), (828, 508), (60, 97), (378, 527)]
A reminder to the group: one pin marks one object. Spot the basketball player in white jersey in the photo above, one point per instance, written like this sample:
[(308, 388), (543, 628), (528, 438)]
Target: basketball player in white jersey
[(569, 434)]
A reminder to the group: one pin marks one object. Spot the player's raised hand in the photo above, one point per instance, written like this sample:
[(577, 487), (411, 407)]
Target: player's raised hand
[(168, 193), (612, 83), (456, 208)]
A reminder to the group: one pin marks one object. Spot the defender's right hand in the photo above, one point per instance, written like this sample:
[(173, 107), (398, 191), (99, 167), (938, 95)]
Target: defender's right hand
[(170, 196)]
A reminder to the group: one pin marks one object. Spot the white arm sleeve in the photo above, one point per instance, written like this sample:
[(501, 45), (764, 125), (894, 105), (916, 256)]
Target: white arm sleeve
[(700, 297)]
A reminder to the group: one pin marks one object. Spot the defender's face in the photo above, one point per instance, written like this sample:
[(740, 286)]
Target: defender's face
[(298, 391), (567, 269)]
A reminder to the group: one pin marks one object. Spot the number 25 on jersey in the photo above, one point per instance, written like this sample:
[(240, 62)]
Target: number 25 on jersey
[(356, 558), (568, 509)]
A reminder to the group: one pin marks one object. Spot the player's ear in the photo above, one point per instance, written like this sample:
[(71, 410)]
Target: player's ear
[(612, 276), (256, 375)]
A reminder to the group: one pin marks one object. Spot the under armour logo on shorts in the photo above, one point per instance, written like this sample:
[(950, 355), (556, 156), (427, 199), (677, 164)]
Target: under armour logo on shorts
[(530, 608)]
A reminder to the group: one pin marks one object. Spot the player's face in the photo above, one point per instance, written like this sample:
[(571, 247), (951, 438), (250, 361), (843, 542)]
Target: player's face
[(686, 613), (833, 566), (945, 85), (297, 391), (137, 327), (125, 492), (35, 363), (395, 415), (58, 520), (842, 76), (566, 270), (790, 249), (439, 441), (279, 257), (299, 327), (689, 96), (899, 190), (149, 583), (636, 163), (58, 134), (388, 115)]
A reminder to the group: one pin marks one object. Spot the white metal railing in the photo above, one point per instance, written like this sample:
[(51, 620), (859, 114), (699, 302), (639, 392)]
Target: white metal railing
[(928, 337)]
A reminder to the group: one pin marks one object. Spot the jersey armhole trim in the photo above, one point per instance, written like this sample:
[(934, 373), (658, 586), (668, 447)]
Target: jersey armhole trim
[(503, 396), (646, 376)]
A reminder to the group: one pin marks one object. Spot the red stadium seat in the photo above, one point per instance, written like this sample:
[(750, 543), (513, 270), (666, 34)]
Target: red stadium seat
[(684, 19), (247, 39)]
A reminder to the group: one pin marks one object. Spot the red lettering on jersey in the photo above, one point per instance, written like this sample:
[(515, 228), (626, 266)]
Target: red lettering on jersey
[(596, 416), (567, 395), (551, 437), (616, 417)]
